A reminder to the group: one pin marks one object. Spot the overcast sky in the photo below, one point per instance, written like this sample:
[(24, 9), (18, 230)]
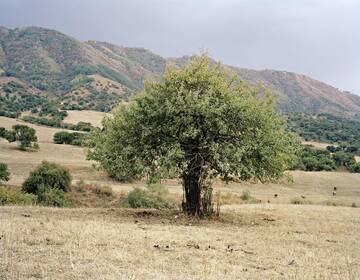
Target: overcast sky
[(320, 38)]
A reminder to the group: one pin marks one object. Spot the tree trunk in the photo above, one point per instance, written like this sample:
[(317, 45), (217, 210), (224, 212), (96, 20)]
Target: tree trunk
[(198, 194)]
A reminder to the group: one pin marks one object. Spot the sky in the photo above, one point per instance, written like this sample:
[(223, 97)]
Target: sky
[(319, 38)]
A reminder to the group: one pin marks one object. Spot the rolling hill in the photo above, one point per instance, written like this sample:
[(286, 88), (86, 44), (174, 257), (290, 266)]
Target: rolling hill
[(39, 66)]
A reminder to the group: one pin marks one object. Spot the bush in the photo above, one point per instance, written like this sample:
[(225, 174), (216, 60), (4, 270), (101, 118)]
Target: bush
[(4, 173), (155, 196), (8, 196), (47, 175), (298, 200), (63, 137), (354, 168), (245, 195), (353, 205), (52, 197), (70, 138)]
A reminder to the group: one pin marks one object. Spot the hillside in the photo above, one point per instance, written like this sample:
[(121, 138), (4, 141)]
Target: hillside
[(39, 66)]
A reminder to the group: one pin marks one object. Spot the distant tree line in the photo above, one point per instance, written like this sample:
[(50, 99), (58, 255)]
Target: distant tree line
[(326, 128), (312, 159)]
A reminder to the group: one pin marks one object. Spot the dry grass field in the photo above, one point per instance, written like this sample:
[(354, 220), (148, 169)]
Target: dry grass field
[(272, 239), (92, 117), (317, 145), (250, 242)]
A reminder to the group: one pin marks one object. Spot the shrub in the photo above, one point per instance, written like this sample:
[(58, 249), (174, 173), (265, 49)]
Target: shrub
[(153, 197), (63, 137), (48, 175), (353, 205), (245, 195), (298, 200), (2, 132), (354, 168), (8, 196), (70, 138), (4, 173), (52, 197)]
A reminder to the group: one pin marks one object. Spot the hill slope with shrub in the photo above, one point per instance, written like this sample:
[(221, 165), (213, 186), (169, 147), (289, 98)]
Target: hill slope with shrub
[(39, 66)]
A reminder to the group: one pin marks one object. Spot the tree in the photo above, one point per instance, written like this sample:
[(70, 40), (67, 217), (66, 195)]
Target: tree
[(4, 173), (47, 176), (197, 124), (24, 135), (63, 137)]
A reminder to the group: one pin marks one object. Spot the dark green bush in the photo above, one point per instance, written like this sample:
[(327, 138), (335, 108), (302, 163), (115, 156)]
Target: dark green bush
[(355, 168), (70, 138), (4, 173), (13, 197), (52, 197), (155, 196), (48, 175)]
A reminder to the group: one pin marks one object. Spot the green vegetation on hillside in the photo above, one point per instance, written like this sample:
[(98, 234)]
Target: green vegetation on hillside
[(312, 159), (326, 128)]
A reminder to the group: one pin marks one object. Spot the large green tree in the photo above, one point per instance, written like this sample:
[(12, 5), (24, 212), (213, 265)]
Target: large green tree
[(197, 124)]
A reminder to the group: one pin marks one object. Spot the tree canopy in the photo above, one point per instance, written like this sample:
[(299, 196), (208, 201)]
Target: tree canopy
[(24, 135), (197, 124)]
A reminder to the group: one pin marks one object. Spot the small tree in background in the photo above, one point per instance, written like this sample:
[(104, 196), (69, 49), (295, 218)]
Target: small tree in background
[(24, 135), (199, 125), (4, 173), (47, 176)]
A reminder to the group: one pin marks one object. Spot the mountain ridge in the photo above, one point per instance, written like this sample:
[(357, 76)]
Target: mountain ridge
[(97, 75)]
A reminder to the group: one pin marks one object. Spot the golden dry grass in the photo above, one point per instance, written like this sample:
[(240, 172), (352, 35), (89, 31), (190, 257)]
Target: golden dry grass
[(251, 242), (92, 117), (318, 145)]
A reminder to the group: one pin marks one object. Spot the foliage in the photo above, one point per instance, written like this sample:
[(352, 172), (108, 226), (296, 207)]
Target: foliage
[(354, 168), (344, 159), (70, 138), (298, 200), (8, 196), (311, 159), (52, 197), (47, 175), (245, 195), (55, 122), (155, 196), (4, 173), (197, 124), (24, 135), (326, 128)]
